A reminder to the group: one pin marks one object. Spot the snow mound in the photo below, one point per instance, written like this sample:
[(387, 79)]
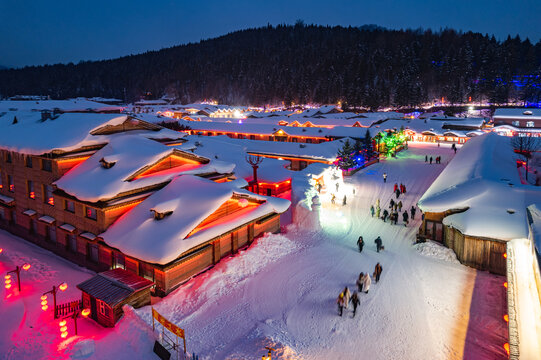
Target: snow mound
[(82, 349), (437, 251)]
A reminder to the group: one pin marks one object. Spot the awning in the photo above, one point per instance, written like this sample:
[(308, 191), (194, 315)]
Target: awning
[(47, 219), (89, 236), (67, 227), (6, 200), (29, 212)]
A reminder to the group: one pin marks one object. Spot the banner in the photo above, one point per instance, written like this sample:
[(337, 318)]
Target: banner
[(168, 324)]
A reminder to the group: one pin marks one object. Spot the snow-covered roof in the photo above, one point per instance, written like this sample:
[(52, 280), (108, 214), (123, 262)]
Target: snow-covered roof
[(535, 212), (431, 125), (67, 132), (188, 201), (482, 181), (79, 104), (325, 151), (129, 156), (518, 113)]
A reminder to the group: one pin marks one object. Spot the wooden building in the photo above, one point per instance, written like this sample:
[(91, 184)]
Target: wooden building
[(106, 293)]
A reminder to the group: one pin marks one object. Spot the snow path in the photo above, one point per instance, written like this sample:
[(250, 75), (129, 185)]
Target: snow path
[(416, 311)]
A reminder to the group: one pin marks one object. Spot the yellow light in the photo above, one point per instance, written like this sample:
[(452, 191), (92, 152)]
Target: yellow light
[(44, 307), (26, 266), (8, 281), (44, 297), (44, 302), (506, 318), (7, 277), (62, 323), (85, 312), (63, 329), (8, 286), (63, 286), (505, 284), (64, 335)]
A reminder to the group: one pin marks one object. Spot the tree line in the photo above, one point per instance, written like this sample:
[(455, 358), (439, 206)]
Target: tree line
[(367, 67)]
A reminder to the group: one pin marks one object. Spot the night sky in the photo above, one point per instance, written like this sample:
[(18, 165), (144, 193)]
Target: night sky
[(46, 32)]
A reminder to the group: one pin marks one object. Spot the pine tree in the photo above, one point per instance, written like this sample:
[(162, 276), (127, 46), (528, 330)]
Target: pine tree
[(346, 159)]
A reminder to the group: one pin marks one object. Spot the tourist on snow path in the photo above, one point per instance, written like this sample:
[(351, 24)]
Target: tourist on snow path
[(426, 158), (360, 243), (366, 283), (333, 198), (377, 272), (400, 205), (412, 211), (455, 149), (372, 210), (377, 202), (344, 201), (385, 214), (340, 302), (431, 160), (404, 191), (377, 211), (384, 177), (397, 193), (395, 214), (378, 243), (359, 282), (395, 187), (355, 301), (391, 204), (337, 186), (405, 217), (347, 295)]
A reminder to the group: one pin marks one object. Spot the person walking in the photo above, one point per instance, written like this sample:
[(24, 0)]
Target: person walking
[(405, 218), (397, 193), (400, 205), (359, 282), (377, 272), (384, 177), (360, 243), (395, 187), (344, 201), (372, 210), (412, 212), (377, 202), (391, 204), (367, 281), (455, 150), (379, 243), (355, 302), (404, 191), (347, 296), (385, 214), (333, 198), (431, 160), (340, 302), (377, 211), (395, 217), (337, 186), (426, 158)]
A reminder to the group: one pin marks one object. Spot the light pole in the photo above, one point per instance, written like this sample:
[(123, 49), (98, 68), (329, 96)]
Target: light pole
[(17, 272), (61, 287)]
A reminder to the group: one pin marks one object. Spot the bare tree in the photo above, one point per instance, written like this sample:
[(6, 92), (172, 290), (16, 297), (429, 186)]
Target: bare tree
[(525, 146)]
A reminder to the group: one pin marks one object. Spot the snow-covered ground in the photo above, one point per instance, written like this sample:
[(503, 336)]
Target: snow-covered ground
[(282, 291)]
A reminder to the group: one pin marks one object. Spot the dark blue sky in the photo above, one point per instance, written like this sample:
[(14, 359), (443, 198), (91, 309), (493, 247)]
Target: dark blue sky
[(52, 31)]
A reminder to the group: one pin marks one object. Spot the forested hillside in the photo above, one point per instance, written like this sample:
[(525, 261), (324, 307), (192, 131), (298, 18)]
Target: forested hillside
[(368, 66)]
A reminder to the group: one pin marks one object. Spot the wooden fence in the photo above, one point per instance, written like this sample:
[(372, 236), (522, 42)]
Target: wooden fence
[(68, 308)]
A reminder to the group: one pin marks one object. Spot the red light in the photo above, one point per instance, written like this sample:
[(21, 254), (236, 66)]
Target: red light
[(1, 248), (26, 266), (32, 195), (44, 307), (506, 347), (85, 312), (8, 286), (12, 188), (505, 284), (62, 323), (63, 286), (506, 318), (64, 335), (50, 201), (505, 255)]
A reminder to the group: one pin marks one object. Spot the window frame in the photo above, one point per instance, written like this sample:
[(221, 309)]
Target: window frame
[(67, 208), (49, 200), (49, 167), (89, 211), (30, 192), (28, 161)]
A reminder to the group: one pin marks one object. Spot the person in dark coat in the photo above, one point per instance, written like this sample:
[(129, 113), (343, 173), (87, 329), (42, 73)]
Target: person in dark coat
[(431, 160), (397, 193), (400, 206), (377, 272), (412, 212), (385, 214), (391, 204), (405, 217), (378, 243), (344, 201), (355, 302), (395, 217), (455, 149), (384, 177), (360, 282), (426, 158), (372, 210), (340, 302), (360, 243), (404, 189)]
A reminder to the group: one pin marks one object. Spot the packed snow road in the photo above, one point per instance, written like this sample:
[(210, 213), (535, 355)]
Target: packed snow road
[(282, 291)]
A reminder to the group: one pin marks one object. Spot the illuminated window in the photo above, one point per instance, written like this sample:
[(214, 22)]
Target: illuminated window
[(28, 161), (46, 165), (119, 261), (530, 124), (30, 189), (515, 123), (69, 206), (91, 213), (11, 185), (48, 195)]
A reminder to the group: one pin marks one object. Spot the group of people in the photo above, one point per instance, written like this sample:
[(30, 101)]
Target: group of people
[(395, 208), (437, 159), (378, 241), (363, 285), (333, 199)]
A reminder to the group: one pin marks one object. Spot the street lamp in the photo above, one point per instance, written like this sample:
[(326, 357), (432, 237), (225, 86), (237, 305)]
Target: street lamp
[(17, 271), (269, 354), (61, 287)]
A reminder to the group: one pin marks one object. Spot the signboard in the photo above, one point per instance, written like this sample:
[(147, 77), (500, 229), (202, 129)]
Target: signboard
[(179, 332)]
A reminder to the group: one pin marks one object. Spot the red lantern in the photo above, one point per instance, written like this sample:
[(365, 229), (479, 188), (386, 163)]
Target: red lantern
[(63, 329), (63, 286), (85, 312), (44, 305), (26, 266)]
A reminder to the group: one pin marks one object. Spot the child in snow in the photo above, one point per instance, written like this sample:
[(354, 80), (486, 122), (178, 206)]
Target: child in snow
[(372, 210), (377, 272), (377, 202), (366, 283), (337, 186), (378, 243), (397, 193), (404, 189), (391, 204), (360, 243), (355, 302), (333, 198), (360, 282), (347, 295)]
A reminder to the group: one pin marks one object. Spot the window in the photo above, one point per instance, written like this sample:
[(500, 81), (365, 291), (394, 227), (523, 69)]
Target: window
[(48, 195), (252, 137), (51, 234), (91, 213), (8, 157), (530, 124), (28, 161), (69, 206), (93, 252), (294, 139), (102, 308), (515, 123), (119, 261), (71, 243), (30, 189), (46, 165), (11, 185), (147, 271), (1, 181)]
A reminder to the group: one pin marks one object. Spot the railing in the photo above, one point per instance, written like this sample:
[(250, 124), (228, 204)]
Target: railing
[(68, 308)]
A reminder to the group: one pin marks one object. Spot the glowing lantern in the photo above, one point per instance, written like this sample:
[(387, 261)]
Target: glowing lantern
[(505, 284), (44, 305), (7, 277), (64, 335), (506, 347), (506, 318), (7, 281), (1, 250), (505, 255), (26, 267), (63, 286), (63, 329), (85, 312)]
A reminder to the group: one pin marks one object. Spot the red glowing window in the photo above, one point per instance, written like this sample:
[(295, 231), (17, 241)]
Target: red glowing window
[(30, 188), (48, 194), (91, 213)]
